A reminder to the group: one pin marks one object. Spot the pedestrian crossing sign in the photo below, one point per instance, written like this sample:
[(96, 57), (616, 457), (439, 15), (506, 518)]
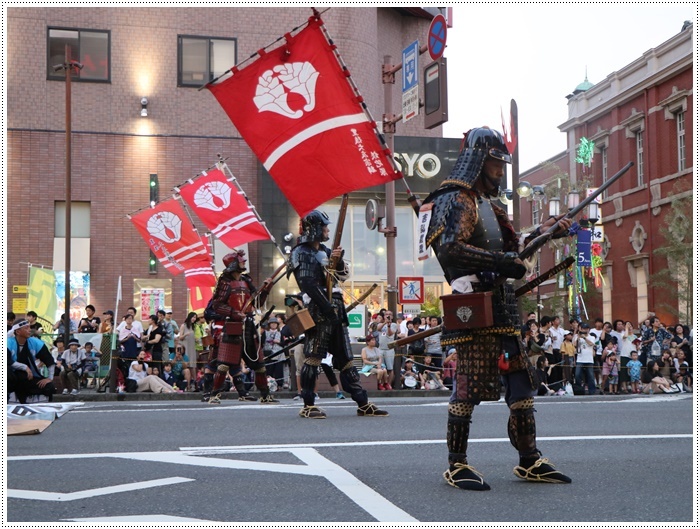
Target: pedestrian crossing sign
[(411, 290)]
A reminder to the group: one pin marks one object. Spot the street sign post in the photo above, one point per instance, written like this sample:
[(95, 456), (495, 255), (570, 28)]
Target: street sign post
[(409, 81), (437, 37)]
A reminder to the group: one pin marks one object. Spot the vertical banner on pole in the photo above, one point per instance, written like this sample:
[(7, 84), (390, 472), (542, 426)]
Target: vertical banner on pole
[(583, 248)]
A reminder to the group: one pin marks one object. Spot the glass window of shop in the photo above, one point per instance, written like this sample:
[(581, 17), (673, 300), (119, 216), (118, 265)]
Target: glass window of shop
[(203, 59), (427, 162)]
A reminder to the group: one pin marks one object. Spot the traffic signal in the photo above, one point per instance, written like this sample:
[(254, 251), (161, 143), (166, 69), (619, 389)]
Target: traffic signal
[(152, 264), (153, 182)]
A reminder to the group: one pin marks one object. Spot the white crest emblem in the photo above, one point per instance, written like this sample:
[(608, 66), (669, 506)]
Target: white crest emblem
[(213, 195), (277, 85), (464, 313), (165, 225)]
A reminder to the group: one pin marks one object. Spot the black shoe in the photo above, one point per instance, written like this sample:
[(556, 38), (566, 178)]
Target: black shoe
[(312, 412), (465, 477), (206, 397), (370, 410), (541, 470)]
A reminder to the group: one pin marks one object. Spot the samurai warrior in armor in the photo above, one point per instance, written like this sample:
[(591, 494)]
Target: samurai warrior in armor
[(309, 262), (475, 243), (233, 328)]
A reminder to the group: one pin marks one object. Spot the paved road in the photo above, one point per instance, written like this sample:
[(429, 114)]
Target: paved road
[(630, 459)]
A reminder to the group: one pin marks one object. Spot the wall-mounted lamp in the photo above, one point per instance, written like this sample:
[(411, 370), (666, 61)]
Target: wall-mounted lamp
[(287, 249), (524, 189), (572, 199), (506, 196), (288, 237), (554, 206), (538, 192), (144, 107), (593, 215)]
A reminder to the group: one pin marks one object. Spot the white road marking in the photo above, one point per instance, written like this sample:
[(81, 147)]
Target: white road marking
[(173, 406), (314, 465), (90, 493), (139, 519)]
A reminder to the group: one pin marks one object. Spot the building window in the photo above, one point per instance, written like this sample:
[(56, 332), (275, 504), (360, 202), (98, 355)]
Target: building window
[(639, 139), (535, 212), (89, 47), (203, 59), (680, 136), (604, 168)]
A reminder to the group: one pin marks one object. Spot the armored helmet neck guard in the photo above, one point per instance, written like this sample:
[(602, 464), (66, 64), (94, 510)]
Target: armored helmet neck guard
[(312, 225), (477, 146)]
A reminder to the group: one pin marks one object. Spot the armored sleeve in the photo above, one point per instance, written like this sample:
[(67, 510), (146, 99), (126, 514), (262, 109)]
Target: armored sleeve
[(260, 300), (309, 275), (218, 306)]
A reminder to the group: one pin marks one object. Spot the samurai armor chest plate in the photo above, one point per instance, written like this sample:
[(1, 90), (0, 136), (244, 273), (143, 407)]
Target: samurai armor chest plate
[(487, 232), (239, 294)]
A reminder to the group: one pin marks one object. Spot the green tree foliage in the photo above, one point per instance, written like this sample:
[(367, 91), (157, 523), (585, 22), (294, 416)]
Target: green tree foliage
[(676, 280)]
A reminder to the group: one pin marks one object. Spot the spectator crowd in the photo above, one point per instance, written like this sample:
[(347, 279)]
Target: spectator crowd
[(582, 358)]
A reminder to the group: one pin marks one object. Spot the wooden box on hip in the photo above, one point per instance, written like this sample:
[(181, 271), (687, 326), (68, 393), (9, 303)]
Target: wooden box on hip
[(300, 322), (467, 311)]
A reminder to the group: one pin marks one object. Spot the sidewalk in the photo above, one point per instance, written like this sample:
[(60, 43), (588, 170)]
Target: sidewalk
[(90, 395)]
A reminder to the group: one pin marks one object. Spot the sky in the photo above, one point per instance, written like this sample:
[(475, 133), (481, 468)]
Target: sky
[(537, 54)]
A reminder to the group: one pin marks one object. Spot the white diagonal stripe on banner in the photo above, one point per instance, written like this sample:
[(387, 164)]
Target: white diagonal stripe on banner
[(323, 126), (183, 258), (238, 218), (195, 249), (237, 226)]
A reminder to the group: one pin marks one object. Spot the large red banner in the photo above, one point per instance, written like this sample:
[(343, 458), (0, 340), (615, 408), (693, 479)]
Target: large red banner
[(223, 209), (171, 236), (298, 113)]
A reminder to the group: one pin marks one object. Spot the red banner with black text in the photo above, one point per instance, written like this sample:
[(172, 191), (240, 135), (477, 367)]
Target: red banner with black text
[(297, 111)]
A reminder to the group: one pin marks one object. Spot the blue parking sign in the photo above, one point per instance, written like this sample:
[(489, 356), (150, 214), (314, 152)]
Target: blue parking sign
[(409, 66)]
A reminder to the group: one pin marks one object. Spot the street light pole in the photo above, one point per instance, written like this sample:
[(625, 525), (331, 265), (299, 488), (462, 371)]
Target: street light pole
[(67, 67)]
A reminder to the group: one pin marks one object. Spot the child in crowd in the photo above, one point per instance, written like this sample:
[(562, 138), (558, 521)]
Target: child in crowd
[(409, 375), (568, 355), (610, 371), (635, 371), (608, 349), (169, 377)]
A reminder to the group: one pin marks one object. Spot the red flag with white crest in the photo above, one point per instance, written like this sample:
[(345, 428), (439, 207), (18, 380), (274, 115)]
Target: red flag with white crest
[(295, 107), (200, 279), (170, 234), (223, 209)]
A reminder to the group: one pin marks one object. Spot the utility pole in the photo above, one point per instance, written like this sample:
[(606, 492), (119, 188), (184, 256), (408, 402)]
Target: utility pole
[(68, 67), (388, 78), (515, 165)]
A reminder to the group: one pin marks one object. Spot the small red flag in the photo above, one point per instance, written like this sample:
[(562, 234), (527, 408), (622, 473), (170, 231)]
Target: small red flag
[(171, 236), (223, 209), (297, 111)]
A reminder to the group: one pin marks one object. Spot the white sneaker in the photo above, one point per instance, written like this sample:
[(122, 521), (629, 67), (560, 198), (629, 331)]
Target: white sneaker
[(65, 391), (316, 397), (74, 392)]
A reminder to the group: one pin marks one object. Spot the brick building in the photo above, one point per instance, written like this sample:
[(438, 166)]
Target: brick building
[(164, 55), (641, 113)]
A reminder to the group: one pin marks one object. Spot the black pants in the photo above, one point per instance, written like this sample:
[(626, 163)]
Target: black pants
[(23, 387)]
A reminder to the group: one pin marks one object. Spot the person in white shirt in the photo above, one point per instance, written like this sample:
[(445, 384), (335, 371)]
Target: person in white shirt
[(144, 382), (557, 334), (584, 358), (137, 325)]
